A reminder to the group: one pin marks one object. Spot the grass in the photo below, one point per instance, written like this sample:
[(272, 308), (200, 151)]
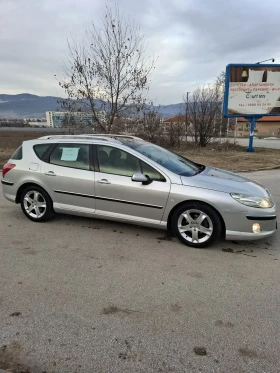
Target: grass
[(228, 156), (234, 157), (11, 140)]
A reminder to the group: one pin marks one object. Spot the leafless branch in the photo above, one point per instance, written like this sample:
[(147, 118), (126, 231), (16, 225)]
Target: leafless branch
[(108, 70)]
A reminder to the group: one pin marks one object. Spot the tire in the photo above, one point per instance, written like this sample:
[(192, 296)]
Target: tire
[(200, 224), (38, 198)]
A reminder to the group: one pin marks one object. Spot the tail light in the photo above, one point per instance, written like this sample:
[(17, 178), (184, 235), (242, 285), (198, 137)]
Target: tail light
[(7, 167)]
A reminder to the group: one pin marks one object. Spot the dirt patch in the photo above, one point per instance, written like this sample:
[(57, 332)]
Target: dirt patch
[(175, 307), (228, 250), (125, 355), (111, 310), (9, 358), (247, 353), (201, 351), (167, 237), (15, 314), (195, 274), (29, 251), (243, 252), (227, 324)]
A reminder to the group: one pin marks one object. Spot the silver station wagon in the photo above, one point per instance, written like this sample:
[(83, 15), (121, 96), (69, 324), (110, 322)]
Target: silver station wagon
[(124, 178)]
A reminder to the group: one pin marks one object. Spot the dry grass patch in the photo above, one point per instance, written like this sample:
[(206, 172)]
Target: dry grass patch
[(11, 140), (235, 158), (228, 156)]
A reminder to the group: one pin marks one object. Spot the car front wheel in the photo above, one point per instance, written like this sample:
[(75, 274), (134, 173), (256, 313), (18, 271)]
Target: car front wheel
[(196, 224), (36, 204)]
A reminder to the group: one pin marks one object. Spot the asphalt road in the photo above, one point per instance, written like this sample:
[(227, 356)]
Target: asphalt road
[(260, 143), (89, 296)]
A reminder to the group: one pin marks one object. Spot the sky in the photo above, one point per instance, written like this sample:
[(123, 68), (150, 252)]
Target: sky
[(192, 40)]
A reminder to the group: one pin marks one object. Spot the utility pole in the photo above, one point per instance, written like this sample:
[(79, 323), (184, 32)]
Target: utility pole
[(187, 114), (235, 130)]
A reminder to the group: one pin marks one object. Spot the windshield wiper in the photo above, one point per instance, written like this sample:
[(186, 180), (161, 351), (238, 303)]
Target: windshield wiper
[(200, 169)]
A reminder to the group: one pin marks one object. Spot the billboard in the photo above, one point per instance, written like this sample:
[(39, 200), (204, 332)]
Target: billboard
[(252, 90)]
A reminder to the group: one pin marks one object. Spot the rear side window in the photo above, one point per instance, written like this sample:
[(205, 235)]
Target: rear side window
[(41, 149), (17, 154), (71, 155)]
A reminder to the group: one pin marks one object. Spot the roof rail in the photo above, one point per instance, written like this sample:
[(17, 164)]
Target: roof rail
[(112, 136), (79, 137)]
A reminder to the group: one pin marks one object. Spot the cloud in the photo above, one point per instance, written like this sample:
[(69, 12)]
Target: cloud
[(193, 40)]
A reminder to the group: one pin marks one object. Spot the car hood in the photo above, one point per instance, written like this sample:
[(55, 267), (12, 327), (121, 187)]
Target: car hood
[(225, 181)]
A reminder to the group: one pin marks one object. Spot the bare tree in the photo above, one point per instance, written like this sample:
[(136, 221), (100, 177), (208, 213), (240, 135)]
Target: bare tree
[(205, 119), (220, 84), (11, 122), (148, 124), (220, 81), (108, 71), (204, 114), (175, 130)]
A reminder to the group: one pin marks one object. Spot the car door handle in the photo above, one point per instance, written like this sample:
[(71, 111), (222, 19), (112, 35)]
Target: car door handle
[(50, 173), (103, 181)]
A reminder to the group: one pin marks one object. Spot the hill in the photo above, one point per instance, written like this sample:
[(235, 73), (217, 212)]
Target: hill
[(26, 105)]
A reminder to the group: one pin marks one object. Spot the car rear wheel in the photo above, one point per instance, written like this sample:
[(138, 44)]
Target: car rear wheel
[(196, 224), (36, 204)]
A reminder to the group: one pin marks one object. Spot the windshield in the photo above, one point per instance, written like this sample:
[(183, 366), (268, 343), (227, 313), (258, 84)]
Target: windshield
[(173, 162)]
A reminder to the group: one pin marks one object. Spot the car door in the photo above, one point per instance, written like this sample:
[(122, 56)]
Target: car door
[(117, 195), (70, 177)]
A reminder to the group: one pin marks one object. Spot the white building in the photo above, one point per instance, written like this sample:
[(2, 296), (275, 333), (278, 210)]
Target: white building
[(58, 118)]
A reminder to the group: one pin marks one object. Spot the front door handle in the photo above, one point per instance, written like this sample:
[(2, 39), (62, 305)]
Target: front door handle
[(50, 173), (103, 181)]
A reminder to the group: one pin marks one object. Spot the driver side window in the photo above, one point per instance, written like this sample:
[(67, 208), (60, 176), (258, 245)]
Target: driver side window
[(151, 172), (116, 161)]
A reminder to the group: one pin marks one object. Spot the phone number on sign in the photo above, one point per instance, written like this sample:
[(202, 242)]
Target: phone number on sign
[(257, 104)]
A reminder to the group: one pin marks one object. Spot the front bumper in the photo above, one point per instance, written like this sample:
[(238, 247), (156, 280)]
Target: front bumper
[(245, 236), (239, 225)]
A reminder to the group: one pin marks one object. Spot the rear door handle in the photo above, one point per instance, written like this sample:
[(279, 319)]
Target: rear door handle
[(103, 181), (50, 173)]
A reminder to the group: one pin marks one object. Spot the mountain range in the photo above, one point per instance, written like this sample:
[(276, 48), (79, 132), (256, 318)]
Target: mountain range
[(26, 105)]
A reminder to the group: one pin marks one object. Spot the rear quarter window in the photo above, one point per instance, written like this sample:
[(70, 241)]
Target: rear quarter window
[(17, 154), (41, 149), (71, 155)]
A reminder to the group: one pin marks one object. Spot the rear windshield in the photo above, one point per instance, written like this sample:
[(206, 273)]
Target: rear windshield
[(41, 149), (17, 154)]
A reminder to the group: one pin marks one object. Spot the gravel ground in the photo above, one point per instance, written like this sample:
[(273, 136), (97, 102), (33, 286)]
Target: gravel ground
[(84, 295)]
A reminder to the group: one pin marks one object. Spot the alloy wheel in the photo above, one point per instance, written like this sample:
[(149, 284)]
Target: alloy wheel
[(195, 226), (35, 204)]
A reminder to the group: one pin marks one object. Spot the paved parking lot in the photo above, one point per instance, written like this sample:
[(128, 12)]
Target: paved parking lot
[(89, 296), (260, 143)]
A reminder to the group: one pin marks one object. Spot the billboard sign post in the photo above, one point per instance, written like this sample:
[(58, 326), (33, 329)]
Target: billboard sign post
[(251, 138), (252, 91)]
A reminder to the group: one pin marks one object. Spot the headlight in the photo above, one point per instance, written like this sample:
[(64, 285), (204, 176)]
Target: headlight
[(253, 201)]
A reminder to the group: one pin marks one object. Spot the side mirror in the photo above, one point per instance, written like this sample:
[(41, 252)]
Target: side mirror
[(140, 178)]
